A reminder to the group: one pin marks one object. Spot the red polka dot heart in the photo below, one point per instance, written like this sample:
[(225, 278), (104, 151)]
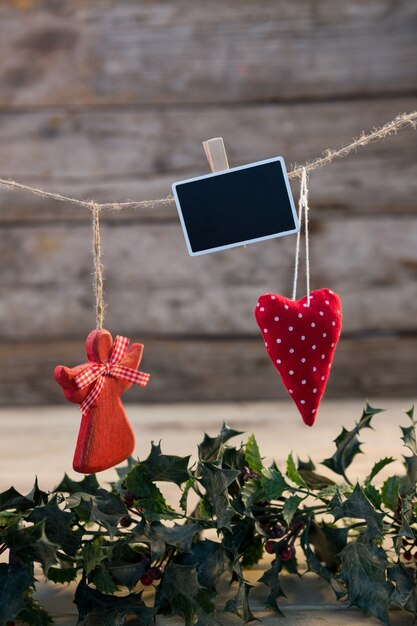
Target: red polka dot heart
[(301, 341)]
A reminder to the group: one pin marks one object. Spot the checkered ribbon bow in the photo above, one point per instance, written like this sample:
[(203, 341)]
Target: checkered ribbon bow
[(99, 371)]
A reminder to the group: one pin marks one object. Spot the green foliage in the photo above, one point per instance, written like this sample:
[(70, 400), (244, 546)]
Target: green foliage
[(112, 543), (166, 467), (348, 444), (378, 466), (273, 483), (358, 506), (252, 455), (290, 508), (364, 573), (292, 472), (389, 492)]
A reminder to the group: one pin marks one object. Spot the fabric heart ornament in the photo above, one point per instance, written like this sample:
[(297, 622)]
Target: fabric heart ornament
[(301, 338)]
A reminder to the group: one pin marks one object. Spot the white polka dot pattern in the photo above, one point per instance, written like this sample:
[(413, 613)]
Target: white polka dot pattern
[(304, 337)]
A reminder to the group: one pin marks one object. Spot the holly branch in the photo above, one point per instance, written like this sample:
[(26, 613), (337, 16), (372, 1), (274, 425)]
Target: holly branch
[(360, 538)]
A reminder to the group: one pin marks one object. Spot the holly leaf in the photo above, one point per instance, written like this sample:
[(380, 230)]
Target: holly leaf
[(239, 604), (253, 553), (62, 575), (58, 525), (36, 495), (409, 436), (92, 554), (186, 490), (15, 583), (273, 483), (373, 495), (105, 509), (147, 495), (12, 499), (89, 484), (378, 466), (290, 508), (209, 448), (307, 466), (125, 469), (252, 455), (314, 559), (233, 458), (159, 536), (390, 491), (181, 590), (271, 579), (110, 609), (216, 482), (328, 492), (7, 518), (179, 536), (126, 565), (102, 580), (358, 506), (252, 492), (292, 472), (327, 542), (405, 510), (31, 544), (404, 595), (410, 413), (348, 444), (314, 480), (108, 511), (209, 559), (407, 483), (165, 467), (363, 571)]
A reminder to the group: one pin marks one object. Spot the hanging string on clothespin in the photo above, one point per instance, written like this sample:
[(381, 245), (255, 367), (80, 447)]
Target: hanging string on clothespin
[(98, 274), (302, 209)]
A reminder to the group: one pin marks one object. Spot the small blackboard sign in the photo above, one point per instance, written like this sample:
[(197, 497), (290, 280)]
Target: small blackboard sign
[(235, 207)]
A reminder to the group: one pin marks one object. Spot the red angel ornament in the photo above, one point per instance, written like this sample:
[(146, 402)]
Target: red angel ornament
[(105, 437)]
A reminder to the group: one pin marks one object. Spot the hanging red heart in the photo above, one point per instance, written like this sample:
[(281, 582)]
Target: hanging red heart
[(300, 339)]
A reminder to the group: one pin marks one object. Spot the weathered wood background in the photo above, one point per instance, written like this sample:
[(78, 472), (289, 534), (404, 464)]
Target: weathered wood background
[(111, 100)]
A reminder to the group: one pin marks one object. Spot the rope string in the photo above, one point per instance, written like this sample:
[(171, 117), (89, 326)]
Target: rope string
[(401, 121), (302, 207), (98, 274)]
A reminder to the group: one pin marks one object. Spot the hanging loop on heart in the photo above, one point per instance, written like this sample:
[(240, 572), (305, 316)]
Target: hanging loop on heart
[(302, 209)]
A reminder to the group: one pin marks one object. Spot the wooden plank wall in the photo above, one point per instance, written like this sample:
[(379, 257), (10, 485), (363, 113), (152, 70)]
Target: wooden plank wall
[(111, 100)]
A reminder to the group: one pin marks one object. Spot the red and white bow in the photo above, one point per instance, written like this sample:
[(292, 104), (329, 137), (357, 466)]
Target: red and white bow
[(99, 371)]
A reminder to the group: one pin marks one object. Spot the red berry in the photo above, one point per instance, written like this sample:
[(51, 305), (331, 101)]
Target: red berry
[(10, 622), (287, 553), (155, 573), (125, 522), (146, 580), (270, 546), (407, 555)]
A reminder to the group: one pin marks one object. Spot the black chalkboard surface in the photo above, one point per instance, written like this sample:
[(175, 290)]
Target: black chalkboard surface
[(235, 207)]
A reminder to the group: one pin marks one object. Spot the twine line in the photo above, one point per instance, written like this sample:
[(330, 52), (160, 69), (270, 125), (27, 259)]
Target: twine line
[(98, 268), (302, 206), (401, 121)]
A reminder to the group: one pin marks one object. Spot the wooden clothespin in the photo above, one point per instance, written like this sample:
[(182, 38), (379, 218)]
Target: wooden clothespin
[(216, 154)]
